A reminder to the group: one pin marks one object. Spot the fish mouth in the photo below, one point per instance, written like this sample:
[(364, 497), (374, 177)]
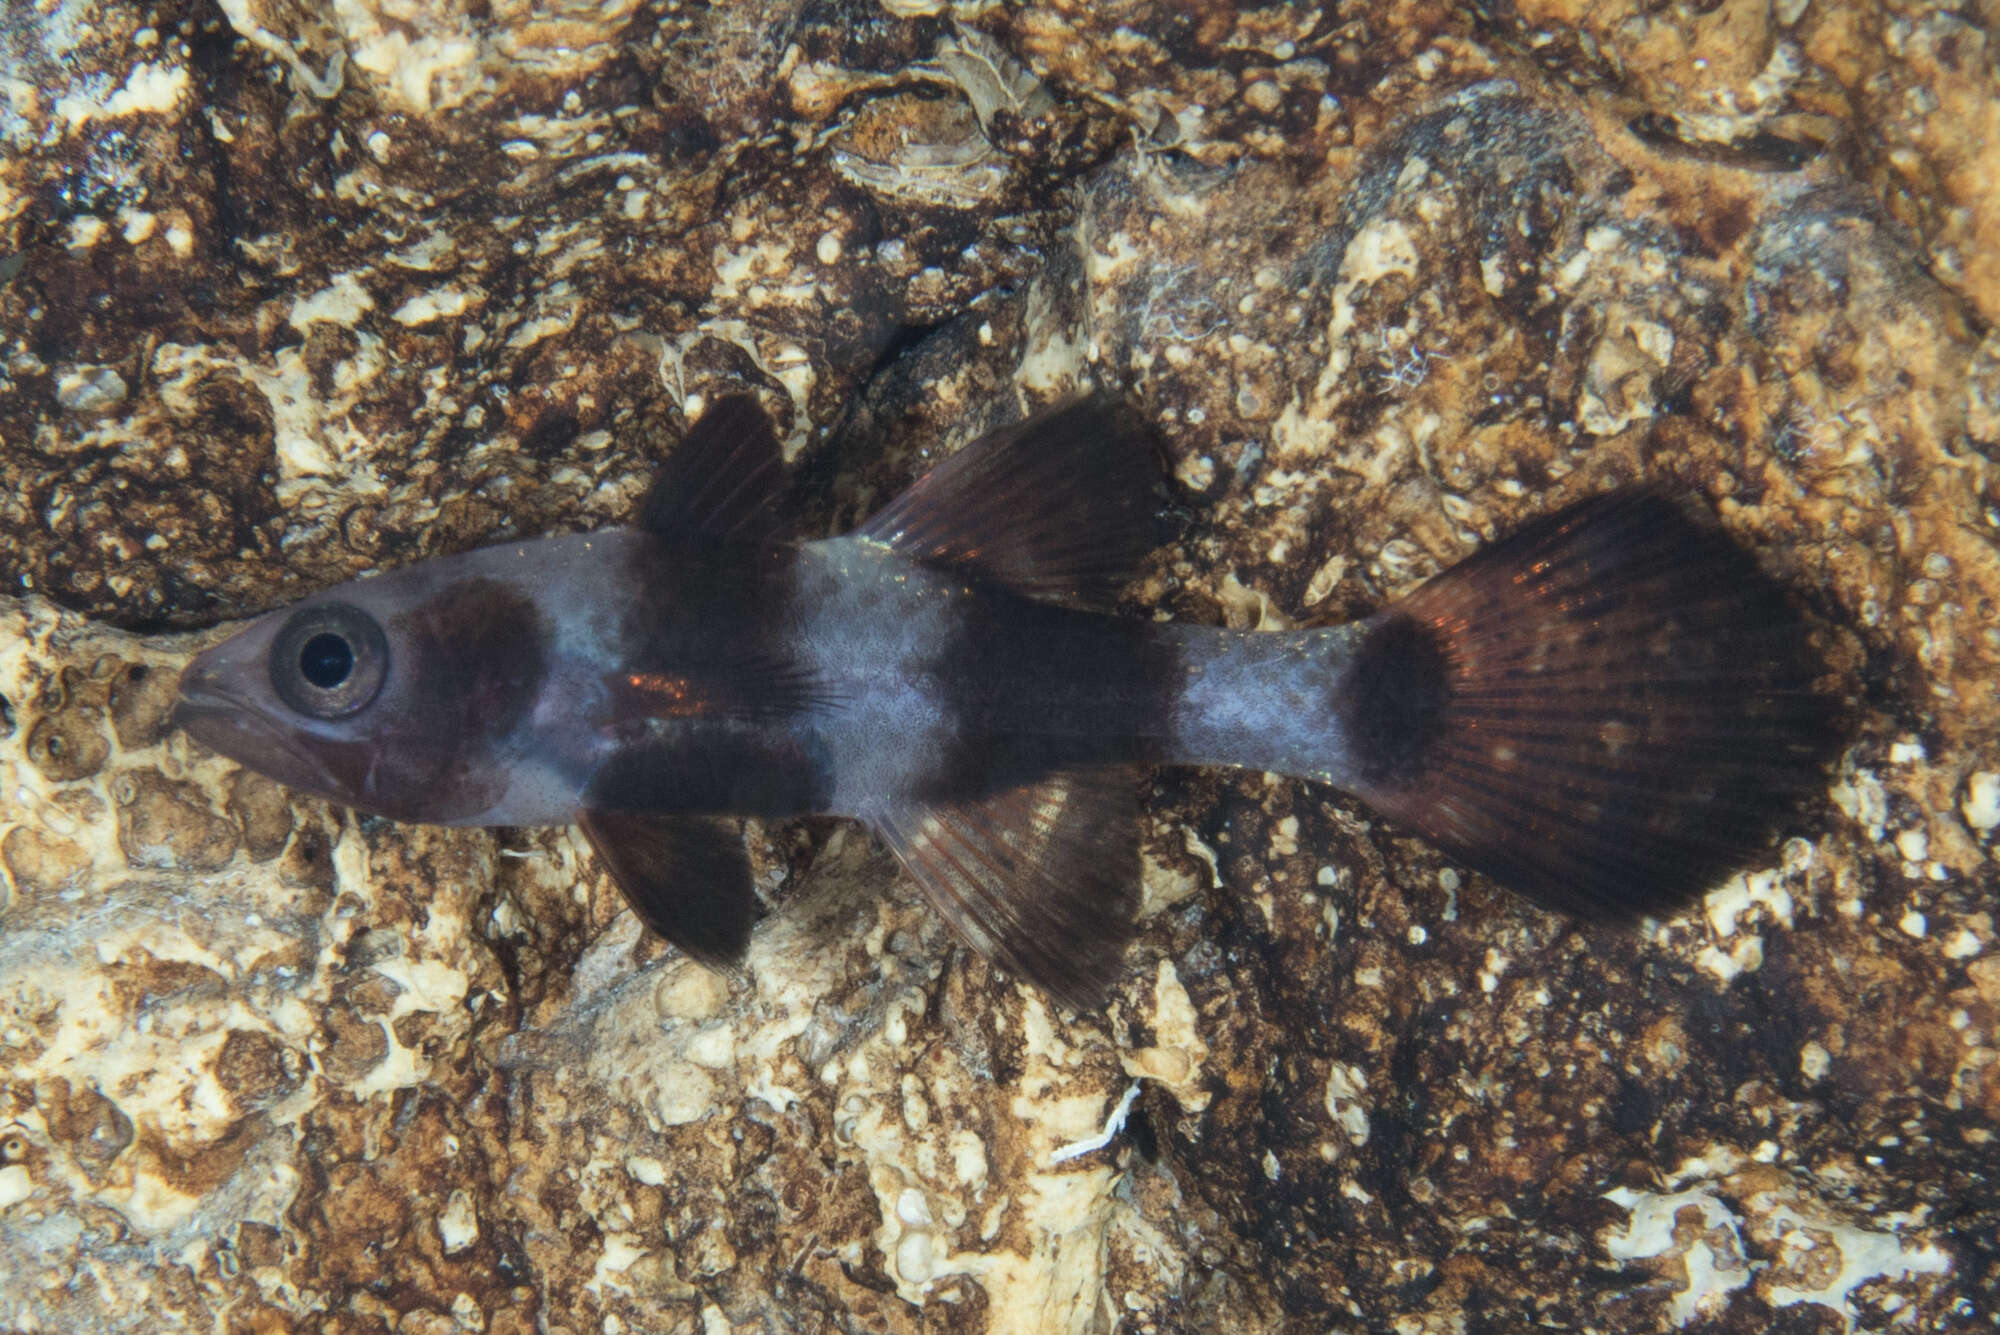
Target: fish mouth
[(232, 726)]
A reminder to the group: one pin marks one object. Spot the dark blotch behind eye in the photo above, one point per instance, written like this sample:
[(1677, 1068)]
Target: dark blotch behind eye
[(326, 660), (329, 660)]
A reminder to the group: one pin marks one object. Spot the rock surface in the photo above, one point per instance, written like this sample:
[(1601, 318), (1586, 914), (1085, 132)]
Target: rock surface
[(291, 290)]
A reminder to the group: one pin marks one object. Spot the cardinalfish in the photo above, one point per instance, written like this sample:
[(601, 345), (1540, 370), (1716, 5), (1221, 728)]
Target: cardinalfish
[(1607, 711)]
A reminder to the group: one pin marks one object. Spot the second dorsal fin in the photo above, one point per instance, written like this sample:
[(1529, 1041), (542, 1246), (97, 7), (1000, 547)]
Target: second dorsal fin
[(722, 481), (1058, 506)]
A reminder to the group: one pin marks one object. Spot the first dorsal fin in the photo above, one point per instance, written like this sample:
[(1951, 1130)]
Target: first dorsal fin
[(687, 877), (1042, 879), (1058, 506), (723, 481)]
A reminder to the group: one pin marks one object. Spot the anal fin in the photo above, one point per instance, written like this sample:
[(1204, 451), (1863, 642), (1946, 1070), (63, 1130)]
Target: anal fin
[(687, 877), (1041, 879)]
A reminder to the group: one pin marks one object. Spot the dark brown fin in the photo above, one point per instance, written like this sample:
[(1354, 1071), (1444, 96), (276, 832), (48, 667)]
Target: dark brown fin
[(723, 481), (1059, 506), (687, 877), (1043, 880), (1608, 711)]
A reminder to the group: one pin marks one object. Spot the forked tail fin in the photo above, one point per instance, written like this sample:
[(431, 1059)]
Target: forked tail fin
[(1607, 711)]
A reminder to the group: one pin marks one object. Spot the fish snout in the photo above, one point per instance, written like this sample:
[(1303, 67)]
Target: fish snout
[(201, 695)]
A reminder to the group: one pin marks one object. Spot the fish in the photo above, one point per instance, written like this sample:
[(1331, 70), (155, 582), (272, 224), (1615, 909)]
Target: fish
[(1607, 711)]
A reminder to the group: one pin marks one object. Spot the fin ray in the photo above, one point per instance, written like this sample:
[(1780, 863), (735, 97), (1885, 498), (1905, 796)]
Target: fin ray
[(1607, 711), (1058, 506), (751, 686), (1041, 879), (687, 877), (723, 481)]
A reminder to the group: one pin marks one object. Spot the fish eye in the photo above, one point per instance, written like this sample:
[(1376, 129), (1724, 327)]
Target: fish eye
[(329, 660), (326, 660)]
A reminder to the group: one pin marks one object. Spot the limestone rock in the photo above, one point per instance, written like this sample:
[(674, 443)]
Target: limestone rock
[(291, 290)]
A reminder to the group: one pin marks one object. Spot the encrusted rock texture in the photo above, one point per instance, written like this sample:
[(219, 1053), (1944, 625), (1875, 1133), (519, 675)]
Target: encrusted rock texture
[(291, 290)]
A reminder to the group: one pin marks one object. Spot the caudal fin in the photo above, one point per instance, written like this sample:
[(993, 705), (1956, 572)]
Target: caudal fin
[(1607, 712)]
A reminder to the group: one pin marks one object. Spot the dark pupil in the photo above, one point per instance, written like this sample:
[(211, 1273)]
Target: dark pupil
[(326, 660)]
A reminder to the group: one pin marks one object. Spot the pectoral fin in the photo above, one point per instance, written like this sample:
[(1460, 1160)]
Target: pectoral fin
[(687, 877), (1043, 879)]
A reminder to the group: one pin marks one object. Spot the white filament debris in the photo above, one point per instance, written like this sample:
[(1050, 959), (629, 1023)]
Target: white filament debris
[(1112, 1126)]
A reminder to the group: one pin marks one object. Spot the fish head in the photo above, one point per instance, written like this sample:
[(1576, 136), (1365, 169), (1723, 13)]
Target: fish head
[(406, 694)]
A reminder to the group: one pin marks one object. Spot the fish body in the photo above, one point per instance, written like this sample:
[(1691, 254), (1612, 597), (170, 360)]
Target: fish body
[(1603, 710)]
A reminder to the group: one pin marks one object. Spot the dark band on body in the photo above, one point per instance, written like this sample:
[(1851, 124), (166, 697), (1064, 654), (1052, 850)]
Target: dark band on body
[(478, 648), (1391, 701), (729, 726), (1034, 688)]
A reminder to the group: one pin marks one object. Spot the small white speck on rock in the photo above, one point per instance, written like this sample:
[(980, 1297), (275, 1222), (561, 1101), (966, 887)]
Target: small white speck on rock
[(1814, 1061), (458, 1225), (1981, 804), (1914, 845), (90, 389)]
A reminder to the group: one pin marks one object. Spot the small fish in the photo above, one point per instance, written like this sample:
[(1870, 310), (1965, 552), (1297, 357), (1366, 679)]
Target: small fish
[(1606, 711)]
